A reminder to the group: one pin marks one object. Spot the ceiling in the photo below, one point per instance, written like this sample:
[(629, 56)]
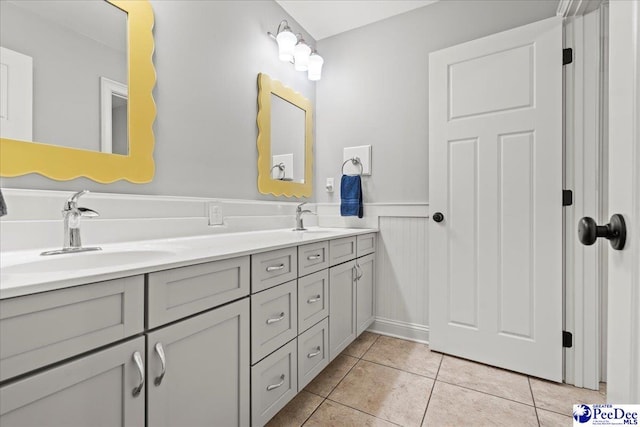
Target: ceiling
[(326, 18)]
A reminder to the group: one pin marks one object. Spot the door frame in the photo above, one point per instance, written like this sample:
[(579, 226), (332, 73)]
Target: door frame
[(623, 363), (585, 162)]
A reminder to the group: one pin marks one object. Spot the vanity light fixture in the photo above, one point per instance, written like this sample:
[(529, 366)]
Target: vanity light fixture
[(292, 48)]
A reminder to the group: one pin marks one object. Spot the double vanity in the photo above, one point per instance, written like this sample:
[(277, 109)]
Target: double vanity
[(211, 330)]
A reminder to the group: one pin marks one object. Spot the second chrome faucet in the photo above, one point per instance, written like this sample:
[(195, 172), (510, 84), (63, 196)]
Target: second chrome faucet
[(299, 213), (71, 214)]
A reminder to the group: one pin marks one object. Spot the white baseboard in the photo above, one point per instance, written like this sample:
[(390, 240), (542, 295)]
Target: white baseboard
[(397, 329)]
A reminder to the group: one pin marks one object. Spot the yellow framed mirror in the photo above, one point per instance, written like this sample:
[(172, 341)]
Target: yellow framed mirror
[(21, 157), (285, 140)]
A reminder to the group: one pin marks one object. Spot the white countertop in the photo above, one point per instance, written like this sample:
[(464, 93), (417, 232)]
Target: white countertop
[(162, 254)]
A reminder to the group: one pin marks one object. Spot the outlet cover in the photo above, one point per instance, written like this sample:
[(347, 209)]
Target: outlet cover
[(215, 214)]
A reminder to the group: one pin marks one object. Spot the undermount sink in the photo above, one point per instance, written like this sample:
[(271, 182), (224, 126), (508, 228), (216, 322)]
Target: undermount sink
[(84, 260)]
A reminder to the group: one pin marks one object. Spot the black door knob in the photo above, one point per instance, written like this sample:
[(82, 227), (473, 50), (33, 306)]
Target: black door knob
[(438, 217), (615, 231)]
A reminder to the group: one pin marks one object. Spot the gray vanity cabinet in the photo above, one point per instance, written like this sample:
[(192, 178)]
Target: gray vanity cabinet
[(342, 307), (94, 390), (365, 310), (351, 290), (205, 367)]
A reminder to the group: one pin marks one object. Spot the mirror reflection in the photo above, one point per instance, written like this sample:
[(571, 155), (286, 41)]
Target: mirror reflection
[(287, 140), (70, 59)]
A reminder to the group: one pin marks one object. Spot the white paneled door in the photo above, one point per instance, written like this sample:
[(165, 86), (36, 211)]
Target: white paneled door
[(495, 188)]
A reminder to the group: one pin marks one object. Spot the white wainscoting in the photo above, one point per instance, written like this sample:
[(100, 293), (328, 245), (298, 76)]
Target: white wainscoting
[(402, 289)]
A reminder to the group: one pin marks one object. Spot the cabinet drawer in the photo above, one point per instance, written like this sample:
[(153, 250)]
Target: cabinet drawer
[(342, 250), (272, 268), (181, 292), (366, 244), (313, 353), (313, 299), (312, 257), (274, 319), (274, 382), (44, 328)]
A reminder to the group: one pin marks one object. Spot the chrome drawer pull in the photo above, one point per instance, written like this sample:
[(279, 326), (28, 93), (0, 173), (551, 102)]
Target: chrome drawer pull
[(138, 359), (275, 386), (314, 299), (275, 267), (312, 257), (160, 351), (315, 353), (275, 319)]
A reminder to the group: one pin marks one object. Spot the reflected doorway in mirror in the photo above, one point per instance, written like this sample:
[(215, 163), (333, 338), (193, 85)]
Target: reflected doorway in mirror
[(113, 117)]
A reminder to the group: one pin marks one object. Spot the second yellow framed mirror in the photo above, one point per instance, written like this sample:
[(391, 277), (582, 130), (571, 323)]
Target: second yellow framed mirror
[(285, 140)]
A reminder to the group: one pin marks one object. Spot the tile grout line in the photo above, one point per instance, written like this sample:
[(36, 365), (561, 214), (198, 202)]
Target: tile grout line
[(345, 376), (324, 399), (400, 369), (364, 412), (314, 411), (533, 398), (488, 394), (433, 386)]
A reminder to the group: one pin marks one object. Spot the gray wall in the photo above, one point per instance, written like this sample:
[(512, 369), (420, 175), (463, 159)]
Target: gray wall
[(374, 90), (208, 55)]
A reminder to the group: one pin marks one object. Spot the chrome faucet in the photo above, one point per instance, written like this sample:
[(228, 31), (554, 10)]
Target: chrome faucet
[(71, 214), (299, 213)]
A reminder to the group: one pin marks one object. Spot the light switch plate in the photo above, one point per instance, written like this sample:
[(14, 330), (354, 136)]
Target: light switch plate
[(363, 152)]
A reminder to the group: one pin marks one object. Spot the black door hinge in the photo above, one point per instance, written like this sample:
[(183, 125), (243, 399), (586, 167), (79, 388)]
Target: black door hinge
[(567, 56), (567, 197), (567, 339)]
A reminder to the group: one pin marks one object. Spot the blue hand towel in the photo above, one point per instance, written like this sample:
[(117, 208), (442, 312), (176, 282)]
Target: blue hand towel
[(351, 196), (3, 205)]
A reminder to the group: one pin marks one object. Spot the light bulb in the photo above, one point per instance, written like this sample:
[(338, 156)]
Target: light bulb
[(315, 66), (286, 42), (301, 56)]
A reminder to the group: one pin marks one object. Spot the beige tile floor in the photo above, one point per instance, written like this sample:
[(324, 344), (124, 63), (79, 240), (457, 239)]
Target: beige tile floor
[(383, 381)]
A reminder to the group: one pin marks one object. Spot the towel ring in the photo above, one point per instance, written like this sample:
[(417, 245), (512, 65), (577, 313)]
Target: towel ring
[(281, 168), (354, 161)]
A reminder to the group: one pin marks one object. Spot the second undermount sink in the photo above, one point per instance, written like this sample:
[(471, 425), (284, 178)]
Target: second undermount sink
[(84, 260)]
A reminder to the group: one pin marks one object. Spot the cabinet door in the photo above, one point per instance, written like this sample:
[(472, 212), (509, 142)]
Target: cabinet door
[(365, 291), (342, 307), (95, 390), (206, 370)]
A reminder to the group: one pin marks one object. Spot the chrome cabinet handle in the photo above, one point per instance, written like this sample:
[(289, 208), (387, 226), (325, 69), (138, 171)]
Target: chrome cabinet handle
[(137, 357), (275, 386), (361, 272), (313, 299), (275, 319), (312, 257), (315, 353), (163, 360), (354, 273), (275, 267)]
